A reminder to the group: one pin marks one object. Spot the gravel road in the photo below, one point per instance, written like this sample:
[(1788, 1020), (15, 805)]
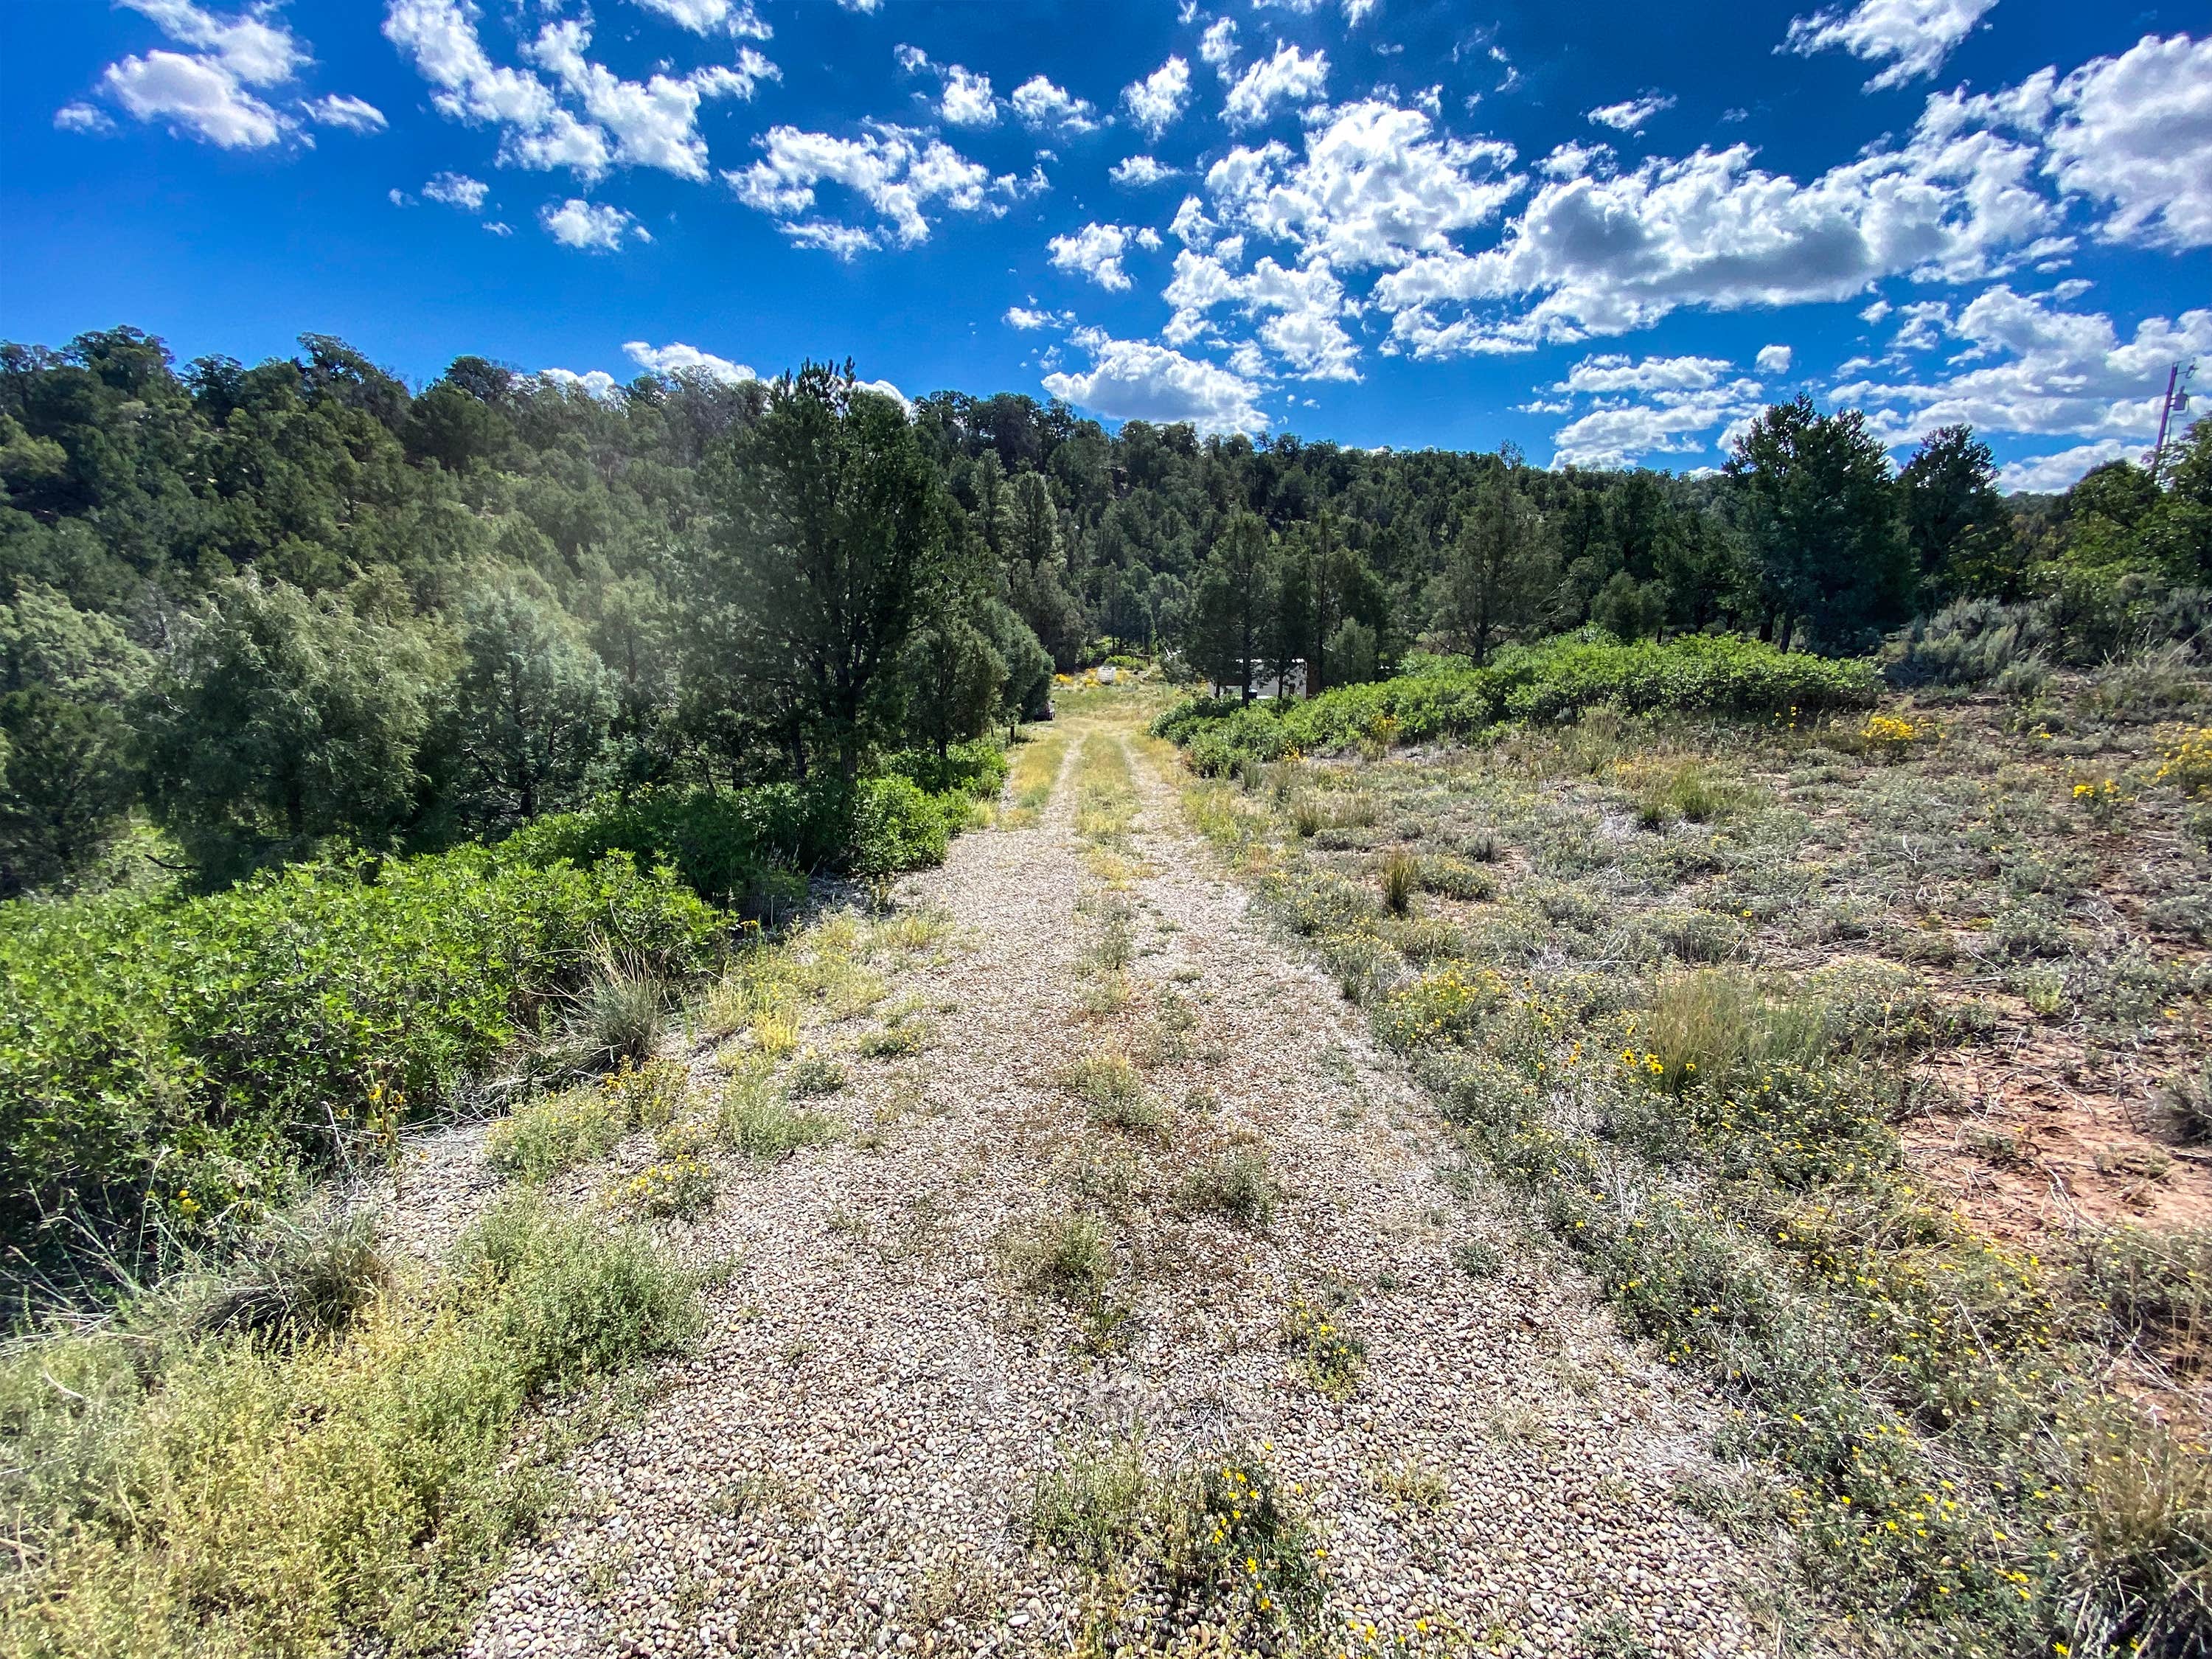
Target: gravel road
[(843, 1464)]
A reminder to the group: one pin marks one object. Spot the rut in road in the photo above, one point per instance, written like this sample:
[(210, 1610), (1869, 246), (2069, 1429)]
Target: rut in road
[(1036, 1246)]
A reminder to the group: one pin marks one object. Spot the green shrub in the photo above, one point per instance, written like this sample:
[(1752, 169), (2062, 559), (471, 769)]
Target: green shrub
[(1552, 681), (554, 1133), (192, 1058)]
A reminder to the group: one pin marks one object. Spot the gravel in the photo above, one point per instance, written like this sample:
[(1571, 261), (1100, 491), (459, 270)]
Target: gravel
[(841, 1466)]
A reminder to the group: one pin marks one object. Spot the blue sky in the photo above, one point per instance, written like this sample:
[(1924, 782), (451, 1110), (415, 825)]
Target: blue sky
[(1605, 233)]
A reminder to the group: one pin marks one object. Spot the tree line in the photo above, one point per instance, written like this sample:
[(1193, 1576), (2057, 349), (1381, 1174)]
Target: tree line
[(245, 612)]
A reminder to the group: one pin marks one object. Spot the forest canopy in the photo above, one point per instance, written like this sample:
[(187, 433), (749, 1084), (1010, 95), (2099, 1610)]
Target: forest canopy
[(250, 614)]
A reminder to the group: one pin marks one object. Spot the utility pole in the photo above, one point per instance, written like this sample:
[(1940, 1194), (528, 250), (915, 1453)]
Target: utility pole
[(2177, 378)]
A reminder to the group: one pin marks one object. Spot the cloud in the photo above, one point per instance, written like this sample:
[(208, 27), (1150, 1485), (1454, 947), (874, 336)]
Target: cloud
[(195, 96), (82, 117), (680, 359), (1354, 9), (2049, 475), (2136, 131), (1134, 379), (1290, 76), (889, 168), (1604, 254), (1022, 318), (887, 389), (1138, 171), (1297, 309), (1375, 187), (1913, 36), (654, 123), (534, 130), (593, 383), (1043, 107), (2044, 371), (737, 17), (1096, 251), (337, 110), (1158, 101), (1629, 116), (1772, 360), (457, 190), (1647, 406), (1218, 45), (968, 101), (1619, 374), (250, 49), (577, 223)]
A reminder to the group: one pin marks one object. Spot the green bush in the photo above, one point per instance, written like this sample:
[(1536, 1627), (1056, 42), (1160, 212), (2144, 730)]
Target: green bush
[(730, 845), (1554, 681), (191, 1060)]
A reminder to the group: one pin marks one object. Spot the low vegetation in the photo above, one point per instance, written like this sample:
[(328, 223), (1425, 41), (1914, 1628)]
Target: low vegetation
[(319, 1455), (1219, 1544), (1713, 1011)]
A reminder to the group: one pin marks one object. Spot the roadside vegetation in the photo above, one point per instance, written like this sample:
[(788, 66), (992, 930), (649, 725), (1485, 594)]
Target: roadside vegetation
[(1851, 1051)]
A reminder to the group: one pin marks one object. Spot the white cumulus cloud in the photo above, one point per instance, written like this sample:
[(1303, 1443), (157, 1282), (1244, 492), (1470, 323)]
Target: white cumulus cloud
[(2136, 131), (192, 95), (1096, 251), (676, 358), (337, 110), (83, 118), (1138, 170), (1135, 380), (1044, 107), (457, 190), (578, 223), (592, 383), (1913, 37), (1774, 360), (1291, 76), (705, 16), (1156, 102), (2049, 475), (2038, 370), (968, 101), (251, 47), (889, 168)]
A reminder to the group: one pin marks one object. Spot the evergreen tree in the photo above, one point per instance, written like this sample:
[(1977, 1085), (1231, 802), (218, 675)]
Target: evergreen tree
[(1955, 522), (1820, 510)]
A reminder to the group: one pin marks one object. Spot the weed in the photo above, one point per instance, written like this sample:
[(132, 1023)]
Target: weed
[(1219, 1546), (1411, 1487), (311, 1274), (1400, 876), (813, 1074), (1478, 1259), (681, 1186), (1329, 1357), (1109, 1082), (901, 1037), (1235, 1184), (620, 1014), (2188, 1096), (554, 1133), (1066, 1257), (756, 1120), (1455, 879), (356, 1491)]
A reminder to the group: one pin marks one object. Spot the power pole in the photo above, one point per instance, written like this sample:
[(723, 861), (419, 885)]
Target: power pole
[(2177, 377)]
